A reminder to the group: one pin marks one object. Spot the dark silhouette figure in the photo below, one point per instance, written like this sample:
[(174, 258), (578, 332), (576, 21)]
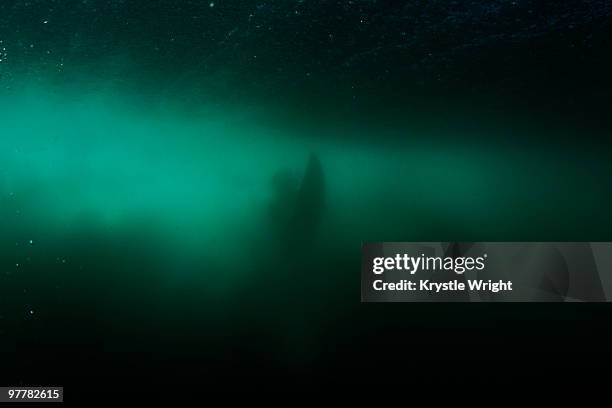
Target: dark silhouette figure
[(310, 200), (298, 210)]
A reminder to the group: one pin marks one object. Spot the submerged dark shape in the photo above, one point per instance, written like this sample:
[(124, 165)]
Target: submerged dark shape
[(297, 210), (311, 197)]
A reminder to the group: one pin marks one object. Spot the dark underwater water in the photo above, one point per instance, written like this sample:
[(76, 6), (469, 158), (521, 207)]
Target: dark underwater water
[(141, 143)]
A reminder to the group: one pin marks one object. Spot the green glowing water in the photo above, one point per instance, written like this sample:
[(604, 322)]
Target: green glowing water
[(123, 219), (204, 180)]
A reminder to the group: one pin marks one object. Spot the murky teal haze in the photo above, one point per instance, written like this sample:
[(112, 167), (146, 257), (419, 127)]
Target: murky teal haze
[(113, 207), (150, 154)]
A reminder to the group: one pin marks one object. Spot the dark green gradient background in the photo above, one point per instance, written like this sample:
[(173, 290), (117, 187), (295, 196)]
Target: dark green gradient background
[(139, 140)]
